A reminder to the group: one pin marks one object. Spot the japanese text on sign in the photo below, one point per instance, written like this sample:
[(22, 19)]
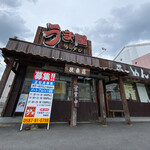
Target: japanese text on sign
[(75, 95), (133, 71), (40, 98), (44, 76), (77, 70), (53, 36)]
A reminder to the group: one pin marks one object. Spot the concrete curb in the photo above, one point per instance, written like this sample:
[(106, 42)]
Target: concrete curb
[(5, 120)]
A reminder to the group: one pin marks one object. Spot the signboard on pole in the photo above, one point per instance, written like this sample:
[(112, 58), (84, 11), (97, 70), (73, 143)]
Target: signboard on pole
[(39, 104)]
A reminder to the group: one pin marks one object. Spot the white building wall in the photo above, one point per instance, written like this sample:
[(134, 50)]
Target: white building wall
[(129, 53)]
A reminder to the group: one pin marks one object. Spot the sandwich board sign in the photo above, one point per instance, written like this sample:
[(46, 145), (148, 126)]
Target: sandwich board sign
[(39, 103)]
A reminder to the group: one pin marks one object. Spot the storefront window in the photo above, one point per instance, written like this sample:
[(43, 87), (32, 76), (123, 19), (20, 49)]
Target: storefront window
[(113, 92), (28, 80), (130, 91), (143, 94), (86, 92), (62, 89), (26, 86), (148, 91)]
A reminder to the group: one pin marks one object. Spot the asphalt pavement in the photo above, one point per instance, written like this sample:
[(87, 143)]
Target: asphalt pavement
[(89, 136)]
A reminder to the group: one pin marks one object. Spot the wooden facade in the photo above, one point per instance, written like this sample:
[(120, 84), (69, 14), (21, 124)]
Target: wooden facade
[(100, 72)]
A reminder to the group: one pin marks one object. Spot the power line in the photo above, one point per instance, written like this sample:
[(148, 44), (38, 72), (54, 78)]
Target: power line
[(104, 49)]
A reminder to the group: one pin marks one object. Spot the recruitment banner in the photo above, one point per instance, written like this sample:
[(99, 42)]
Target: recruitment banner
[(39, 104)]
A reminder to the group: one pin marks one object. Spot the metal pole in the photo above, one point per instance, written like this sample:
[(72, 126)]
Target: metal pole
[(48, 126), (21, 127)]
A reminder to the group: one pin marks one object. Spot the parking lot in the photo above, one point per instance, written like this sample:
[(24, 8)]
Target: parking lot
[(114, 136)]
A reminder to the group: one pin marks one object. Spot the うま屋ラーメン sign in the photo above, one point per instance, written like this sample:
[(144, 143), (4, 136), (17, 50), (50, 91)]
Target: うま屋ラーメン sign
[(73, 42)]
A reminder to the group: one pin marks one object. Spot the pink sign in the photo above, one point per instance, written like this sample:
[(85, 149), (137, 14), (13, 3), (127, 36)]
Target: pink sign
[(44, 76)]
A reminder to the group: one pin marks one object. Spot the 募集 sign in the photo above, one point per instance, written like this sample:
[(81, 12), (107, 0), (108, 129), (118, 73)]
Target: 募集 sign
[(39, 104)]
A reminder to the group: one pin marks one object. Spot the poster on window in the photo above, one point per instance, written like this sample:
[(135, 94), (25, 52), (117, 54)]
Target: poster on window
[(21, 103), (129, 91), (39, 104)]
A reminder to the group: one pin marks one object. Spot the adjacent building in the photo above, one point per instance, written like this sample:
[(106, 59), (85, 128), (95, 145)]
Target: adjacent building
[(137, 55)]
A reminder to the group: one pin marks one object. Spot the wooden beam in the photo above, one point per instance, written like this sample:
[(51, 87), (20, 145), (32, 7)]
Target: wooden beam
[(95, 90), (124, 101), (8, 96), (73, 108), (102, 102), (14, 95), (5, 76), (107, 105)]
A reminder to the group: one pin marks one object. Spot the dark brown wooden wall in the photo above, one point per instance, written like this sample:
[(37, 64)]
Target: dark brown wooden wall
[(61, 111), (87, 111), (115, 105), (136, 109)]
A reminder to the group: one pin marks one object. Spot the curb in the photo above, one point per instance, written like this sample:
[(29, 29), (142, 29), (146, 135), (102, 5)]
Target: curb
[(9, 120)]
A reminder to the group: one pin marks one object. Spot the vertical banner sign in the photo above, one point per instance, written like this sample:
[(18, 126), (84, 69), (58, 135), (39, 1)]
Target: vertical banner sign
[(39, 104), (76, 96)]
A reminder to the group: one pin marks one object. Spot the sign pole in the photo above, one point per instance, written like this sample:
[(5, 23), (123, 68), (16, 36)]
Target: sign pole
[(48, 126), (21, 127)]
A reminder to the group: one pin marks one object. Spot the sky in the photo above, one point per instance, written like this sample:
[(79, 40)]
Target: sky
[(109, 24)]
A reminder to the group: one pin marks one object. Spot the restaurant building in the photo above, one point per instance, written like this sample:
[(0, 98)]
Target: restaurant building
[(104, 88)]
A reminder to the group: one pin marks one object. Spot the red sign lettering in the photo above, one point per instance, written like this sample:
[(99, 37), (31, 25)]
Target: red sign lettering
[(68, 36), (53, 37), (53, 33), (44, 76), (80, 40)]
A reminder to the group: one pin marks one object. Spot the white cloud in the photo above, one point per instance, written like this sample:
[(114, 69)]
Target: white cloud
[(13, 3), (110, 24), (127, 24), (12, 25)]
